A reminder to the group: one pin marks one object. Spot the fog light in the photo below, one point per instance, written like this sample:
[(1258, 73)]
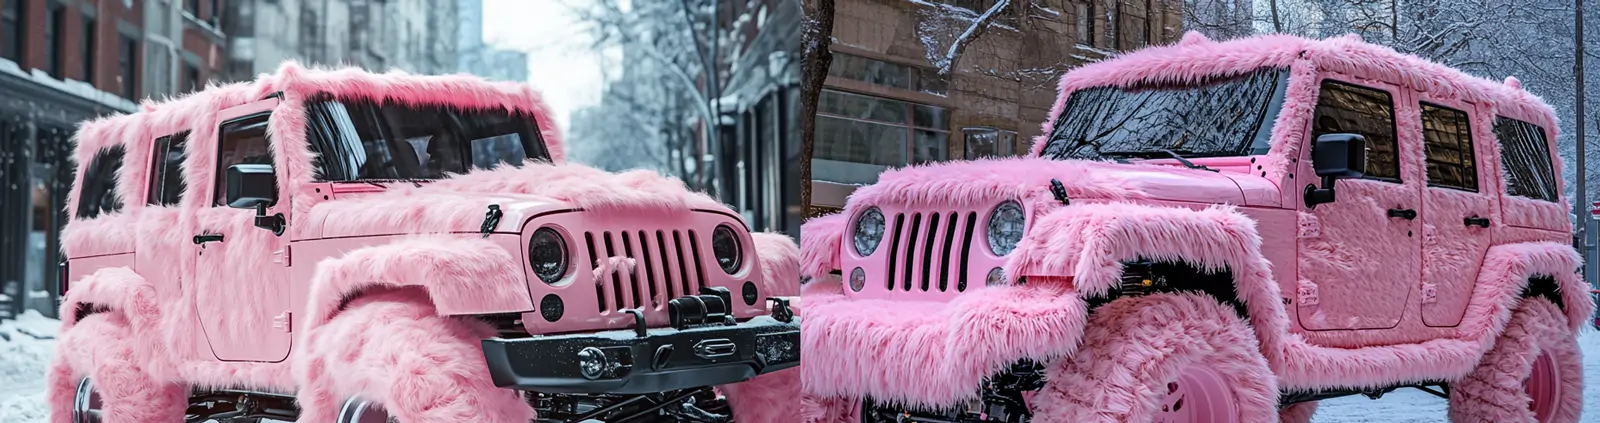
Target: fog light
[(591, 363), (858, 279), (997, 277)]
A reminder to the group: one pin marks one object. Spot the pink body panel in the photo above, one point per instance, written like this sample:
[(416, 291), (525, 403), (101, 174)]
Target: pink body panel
[(1452, 251)]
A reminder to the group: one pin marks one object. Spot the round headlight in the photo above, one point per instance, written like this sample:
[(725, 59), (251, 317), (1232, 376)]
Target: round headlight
[(1005, 228), (725, 245), (547, 253), (868, 232)]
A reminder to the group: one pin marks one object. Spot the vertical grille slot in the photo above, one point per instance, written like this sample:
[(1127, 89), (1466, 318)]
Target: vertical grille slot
[(616, 276), (632, 281), (599, 287), (911, 250), (667, 259), (649, 267), (927, 250), (677, 242), (699, 268), (966, 250), (894, 247), (944, 262)]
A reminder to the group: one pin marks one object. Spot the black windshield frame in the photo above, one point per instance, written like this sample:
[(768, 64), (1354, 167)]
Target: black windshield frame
[(358, 140), (1252, 136)]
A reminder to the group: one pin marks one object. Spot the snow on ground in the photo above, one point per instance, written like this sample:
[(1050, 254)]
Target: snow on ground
[(27, 344)]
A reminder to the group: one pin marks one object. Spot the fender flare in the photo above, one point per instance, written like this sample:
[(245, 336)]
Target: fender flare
[(780, 264), (112, 289), (460, 274), (819, 245), (1511, 272)]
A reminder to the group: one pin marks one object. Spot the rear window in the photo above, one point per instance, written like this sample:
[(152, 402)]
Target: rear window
[(1525, 155), (99, 194), (1447, 137)]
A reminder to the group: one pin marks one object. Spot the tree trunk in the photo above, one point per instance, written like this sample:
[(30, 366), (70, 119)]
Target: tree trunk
[(815, 59), (1277, 22)]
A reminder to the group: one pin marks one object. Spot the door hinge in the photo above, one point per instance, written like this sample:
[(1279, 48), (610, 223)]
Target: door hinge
[(284, 321), (282, 256)]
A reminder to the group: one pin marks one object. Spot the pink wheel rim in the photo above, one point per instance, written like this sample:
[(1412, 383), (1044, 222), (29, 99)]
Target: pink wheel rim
[(1199, 395), (1544, 387)]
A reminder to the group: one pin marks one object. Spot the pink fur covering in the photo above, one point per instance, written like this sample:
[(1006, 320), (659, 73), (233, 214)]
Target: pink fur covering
[(1134, 348), (1494, 391), (820, 242)]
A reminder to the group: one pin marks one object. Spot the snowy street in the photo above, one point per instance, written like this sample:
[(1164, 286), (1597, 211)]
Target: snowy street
[(23, 358)]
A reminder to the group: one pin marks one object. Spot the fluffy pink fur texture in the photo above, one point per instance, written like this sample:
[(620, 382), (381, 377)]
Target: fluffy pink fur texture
[(393, 348), (767, 398), (1493, 392), (1135, 347), (1298, 413), (461, 273), (930, 354), (780, 263), (820, 242), (980, 182), (104, 348)]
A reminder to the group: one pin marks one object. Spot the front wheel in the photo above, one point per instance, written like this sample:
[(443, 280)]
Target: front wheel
[(1533, 374), (1161, 358)]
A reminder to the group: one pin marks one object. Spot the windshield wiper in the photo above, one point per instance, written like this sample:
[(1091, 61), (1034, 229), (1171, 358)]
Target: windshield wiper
[(1151, 154)]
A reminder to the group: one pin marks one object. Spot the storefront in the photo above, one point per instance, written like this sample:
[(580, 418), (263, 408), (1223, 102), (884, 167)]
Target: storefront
[(37, 119)]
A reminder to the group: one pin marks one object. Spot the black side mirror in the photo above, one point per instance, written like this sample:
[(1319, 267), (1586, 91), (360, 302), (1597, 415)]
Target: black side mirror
[(1335, 157), (255, 186)]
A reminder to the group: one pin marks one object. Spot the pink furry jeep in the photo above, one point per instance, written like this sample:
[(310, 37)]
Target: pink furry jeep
[(1213, 232), (339, 246)]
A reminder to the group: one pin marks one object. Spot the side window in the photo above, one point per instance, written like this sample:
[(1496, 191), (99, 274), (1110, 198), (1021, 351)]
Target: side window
[(242, 141), (1525, 155), (1353, 109), (99, 192), (1447, 137), (166, 170)]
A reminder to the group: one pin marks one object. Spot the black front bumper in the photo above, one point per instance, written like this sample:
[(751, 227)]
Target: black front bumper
[(660, 360)]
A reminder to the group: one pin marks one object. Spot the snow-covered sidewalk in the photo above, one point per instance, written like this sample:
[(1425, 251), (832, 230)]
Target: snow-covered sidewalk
[(27, 344)]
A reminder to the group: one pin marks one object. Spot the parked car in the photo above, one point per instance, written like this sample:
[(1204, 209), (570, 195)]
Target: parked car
[(1214, 232), (336, 245)]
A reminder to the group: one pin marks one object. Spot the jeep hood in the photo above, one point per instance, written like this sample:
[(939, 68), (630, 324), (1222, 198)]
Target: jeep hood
[(460, 203), (981, 182)]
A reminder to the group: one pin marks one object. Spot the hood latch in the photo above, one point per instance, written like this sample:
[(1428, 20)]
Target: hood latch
[(491, 220)]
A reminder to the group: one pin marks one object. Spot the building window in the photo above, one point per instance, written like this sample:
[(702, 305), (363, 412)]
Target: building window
[(127, 62), (191, 78), (1525, 155), (878, 132), (1085, 15), (1447, 137), (54, 23), (894, 75), (11, 29), (192, 7), (1354, 109), (87, 47), (983, 141)]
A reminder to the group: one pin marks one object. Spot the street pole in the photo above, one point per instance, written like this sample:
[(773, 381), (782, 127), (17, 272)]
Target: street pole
[(1582, 188)]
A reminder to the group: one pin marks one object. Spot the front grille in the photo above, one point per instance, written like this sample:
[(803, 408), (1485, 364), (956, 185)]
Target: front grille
[(660, 258), (925, 249)]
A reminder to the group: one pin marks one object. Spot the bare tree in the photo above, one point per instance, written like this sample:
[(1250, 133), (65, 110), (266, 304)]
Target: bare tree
[(815, 58)]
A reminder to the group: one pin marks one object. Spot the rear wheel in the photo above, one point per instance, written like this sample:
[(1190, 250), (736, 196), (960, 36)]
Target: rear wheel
[(86, 406), (1534, 373), (1161, 358)]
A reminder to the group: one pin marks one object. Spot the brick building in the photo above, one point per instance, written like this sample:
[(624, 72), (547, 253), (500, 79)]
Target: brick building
[(63, 62), (885, 104)]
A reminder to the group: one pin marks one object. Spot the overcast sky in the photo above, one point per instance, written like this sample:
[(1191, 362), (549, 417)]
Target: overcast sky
[(560, 62)]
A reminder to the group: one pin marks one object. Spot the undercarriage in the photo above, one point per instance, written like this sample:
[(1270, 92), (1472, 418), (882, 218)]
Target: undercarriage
[(1000, 401), (697, 405)]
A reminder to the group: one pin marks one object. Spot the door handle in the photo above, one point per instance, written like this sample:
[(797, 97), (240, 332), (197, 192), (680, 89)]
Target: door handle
[(1482, 222), (1407, 214), (204, 238)]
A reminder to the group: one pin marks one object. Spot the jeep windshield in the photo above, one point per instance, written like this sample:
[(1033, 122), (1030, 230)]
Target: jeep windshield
[(370, 141), (1224, 116)]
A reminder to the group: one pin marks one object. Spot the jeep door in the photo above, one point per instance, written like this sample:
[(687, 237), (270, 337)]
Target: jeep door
[(1360, 260), (1457, 210), (241, 281)]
